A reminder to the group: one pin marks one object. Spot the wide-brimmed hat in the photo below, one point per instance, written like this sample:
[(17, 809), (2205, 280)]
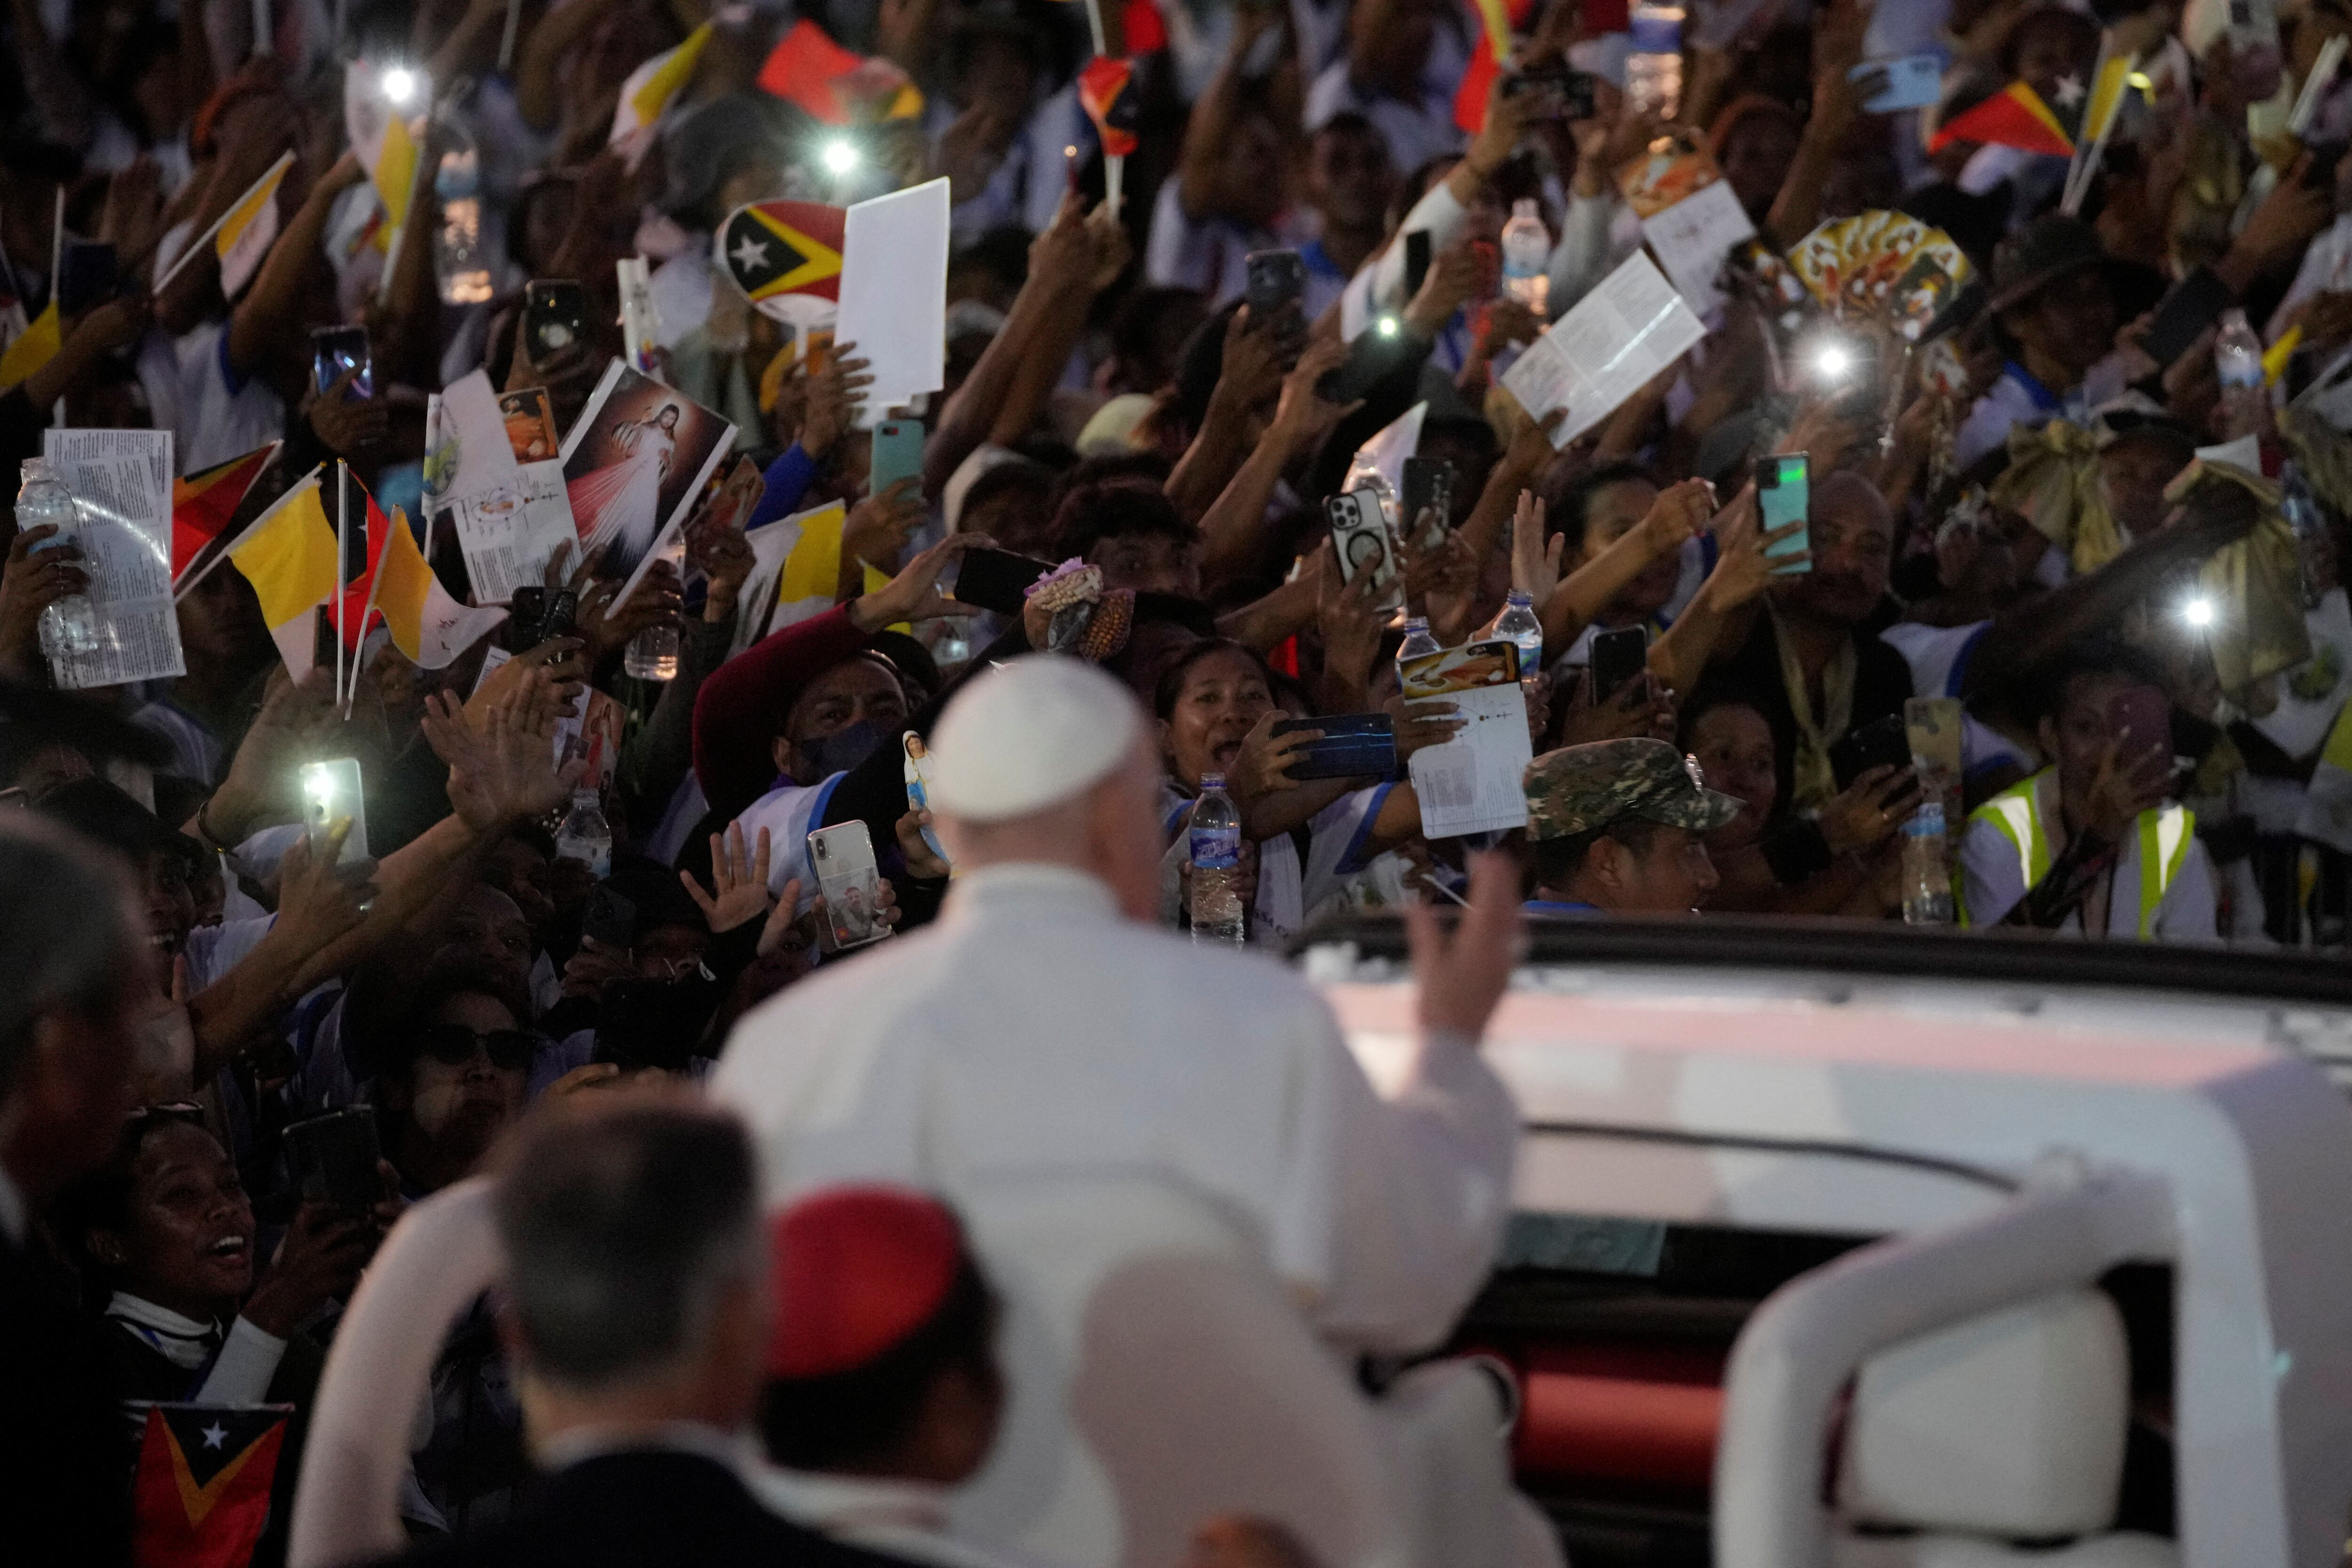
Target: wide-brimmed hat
[(2055, 245)]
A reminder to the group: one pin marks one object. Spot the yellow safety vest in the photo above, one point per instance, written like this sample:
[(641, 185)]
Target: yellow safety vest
[(2164, 834)]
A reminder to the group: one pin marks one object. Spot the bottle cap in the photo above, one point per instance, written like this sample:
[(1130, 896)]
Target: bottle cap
[(1212, 780)]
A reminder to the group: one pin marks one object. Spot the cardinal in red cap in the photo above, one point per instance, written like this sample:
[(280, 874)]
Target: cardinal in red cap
[(883, 1387)]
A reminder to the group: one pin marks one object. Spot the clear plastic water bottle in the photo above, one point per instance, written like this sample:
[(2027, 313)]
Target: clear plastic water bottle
[(1654, 71), (1418, 640), (69, 626), (1518, 624), (1526, 253), (586, 836), (459, 265), (2238, 366), (652, 654), (1927, 879), (1214, 842)]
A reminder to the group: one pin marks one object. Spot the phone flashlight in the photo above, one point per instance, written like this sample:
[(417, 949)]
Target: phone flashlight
[(2198, 611), (1832, 361), (331, 792), (840, 156), (399, 84), (1387, 326)]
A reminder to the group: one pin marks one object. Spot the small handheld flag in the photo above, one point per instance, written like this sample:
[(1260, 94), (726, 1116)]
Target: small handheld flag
[(203, 506), (248, 229), (2013, 116), (1106, 90), (786, 257), (833, 85), (651, 88), (201, 1495), (288, 556)]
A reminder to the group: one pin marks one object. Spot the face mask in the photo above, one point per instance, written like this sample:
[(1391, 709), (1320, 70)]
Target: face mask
[(840, 751)]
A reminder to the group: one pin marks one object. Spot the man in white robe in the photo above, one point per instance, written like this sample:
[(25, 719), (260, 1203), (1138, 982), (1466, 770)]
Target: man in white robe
[(1045, 1029)]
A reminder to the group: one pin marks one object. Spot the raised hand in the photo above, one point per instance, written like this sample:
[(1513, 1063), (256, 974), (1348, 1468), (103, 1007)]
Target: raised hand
[(738, 878), (836, 395), (32, 581), (503, 770), (878, 527), (1534, 560), (1462, 979), (914, 594)]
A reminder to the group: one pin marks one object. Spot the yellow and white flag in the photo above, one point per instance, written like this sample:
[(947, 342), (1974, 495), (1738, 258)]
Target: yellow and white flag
[(651, 88), (247, 233), (378, 127), (427, 625), (796, 572), (288, 556)]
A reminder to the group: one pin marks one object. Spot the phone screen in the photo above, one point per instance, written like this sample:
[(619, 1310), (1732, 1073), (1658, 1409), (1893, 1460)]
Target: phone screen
[(336, 349), (1783, 497), (330, 791), (555, 315), (843, 855)]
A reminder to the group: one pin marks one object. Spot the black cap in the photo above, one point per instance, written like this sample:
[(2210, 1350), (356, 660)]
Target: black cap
[(105, 814), (2055, 245)]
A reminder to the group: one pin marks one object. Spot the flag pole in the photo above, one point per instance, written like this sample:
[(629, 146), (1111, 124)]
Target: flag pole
[(56, 274), (1114, 165), (2079, 183), (342, 505), (202, 240), (261, 26), (2075, 169), (507, 38)]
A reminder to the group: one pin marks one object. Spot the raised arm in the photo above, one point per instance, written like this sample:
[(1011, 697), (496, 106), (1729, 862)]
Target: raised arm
[(271, 308)]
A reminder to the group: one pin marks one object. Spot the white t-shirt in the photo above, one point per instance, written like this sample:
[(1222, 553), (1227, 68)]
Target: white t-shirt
[(1938, 657)]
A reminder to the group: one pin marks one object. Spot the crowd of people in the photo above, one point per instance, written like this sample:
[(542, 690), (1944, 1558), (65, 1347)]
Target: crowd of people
[(2055, 642)]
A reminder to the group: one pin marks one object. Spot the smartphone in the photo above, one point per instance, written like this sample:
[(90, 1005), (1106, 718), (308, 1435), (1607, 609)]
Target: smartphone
[(332, 1159), (1428, 486), (330, 791), (335, 350), (2147, 714), (88, 275), (997, 579), (1274, 280), (1617, 655), (1913, 81), (525, 613), (2194, 305), (562, 607), (843, 855), (554, 316), (1782, 495), (897, 455), (652, 1023), (1361, 536), (1354, 745), (611, 917), (1882, 742), (1416, 261), (916, 758)]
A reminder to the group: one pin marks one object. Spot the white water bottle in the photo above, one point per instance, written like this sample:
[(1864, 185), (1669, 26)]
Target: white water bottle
[(1927, 879), (1527, 252), (69, 626), (586, 836), (1213, 843), (1418, 640), (2238, 366)]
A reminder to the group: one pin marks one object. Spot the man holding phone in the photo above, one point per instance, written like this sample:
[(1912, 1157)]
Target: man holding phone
[(2091, 844)]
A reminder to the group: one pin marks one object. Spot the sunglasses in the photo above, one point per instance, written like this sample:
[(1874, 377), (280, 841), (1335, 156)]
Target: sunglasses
[(452, 1045)]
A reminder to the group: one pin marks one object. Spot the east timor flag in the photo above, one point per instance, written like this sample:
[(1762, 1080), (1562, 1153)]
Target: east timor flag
[(784, 248), (202, 1491), (2013, 116), (1107, 92), (203, 506)]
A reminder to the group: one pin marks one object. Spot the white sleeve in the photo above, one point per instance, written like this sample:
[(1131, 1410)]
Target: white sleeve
[(1580, 259), (241, 1373), (1991, 882), (1395, 1207), (2190, 910), (1443, 217)]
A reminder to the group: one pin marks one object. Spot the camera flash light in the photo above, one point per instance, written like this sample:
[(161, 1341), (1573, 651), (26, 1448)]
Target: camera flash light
[(840, 157), (399, 85), (2197, 612)]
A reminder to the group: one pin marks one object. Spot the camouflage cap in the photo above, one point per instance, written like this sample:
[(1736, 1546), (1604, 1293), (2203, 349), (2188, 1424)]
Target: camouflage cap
[(1582, 789)]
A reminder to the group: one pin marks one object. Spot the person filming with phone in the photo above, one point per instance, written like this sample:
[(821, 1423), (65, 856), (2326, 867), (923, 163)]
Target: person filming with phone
[(2093, 843)]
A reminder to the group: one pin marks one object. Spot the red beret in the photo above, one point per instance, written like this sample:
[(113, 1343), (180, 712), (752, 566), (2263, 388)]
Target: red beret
[(859, 1268)]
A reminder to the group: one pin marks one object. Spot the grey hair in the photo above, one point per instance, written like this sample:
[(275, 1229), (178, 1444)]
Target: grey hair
[(623, 1226), (68, 936)]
